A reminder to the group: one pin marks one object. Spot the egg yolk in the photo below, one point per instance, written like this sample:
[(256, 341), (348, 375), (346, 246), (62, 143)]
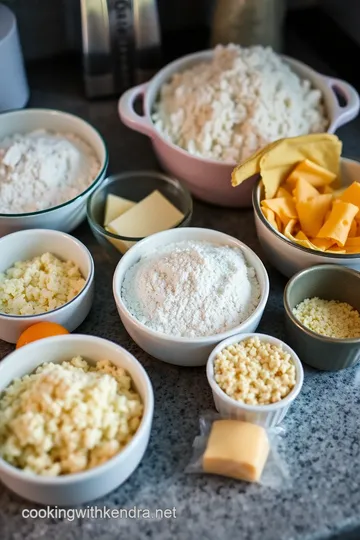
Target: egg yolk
[(40, 331)]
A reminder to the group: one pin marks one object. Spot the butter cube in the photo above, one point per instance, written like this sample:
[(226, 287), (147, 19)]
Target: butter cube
[(236, 449)]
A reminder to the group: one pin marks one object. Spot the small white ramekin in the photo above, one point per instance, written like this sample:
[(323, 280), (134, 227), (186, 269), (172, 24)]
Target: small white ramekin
[(263, 415), (82, 487), (23, 245)]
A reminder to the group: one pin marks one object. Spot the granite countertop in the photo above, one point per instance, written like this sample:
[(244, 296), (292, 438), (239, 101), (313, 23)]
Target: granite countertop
[(321, 444)]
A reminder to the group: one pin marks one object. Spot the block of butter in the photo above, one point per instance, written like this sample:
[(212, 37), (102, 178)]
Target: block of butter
[(115, 206), (151, 215), (236, 449)]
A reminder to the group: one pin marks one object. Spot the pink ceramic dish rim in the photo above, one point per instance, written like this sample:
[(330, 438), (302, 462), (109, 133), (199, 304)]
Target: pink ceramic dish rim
[(337, 115)]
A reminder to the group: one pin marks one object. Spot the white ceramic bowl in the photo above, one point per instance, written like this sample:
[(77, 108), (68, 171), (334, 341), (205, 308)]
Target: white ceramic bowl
[(264, 415), (69, 215), (210, 179), (78, 488), (289, 258), (23, 245), (180, 350)]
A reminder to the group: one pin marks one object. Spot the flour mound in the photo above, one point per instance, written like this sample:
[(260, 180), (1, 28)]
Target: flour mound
[(191, 289)]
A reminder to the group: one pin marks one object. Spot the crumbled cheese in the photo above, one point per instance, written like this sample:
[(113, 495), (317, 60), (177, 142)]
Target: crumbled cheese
[(329, 317), (255, 372), (42, 169), (38, 285), (68, 417), (241, 100)]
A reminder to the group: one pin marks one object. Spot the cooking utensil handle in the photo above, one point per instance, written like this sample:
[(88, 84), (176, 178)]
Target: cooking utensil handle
[(127, 113), (350, 110)]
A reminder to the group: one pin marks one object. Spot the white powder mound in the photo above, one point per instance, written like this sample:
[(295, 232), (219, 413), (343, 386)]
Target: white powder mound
[(191, 289), (42, 169), (236, 104)]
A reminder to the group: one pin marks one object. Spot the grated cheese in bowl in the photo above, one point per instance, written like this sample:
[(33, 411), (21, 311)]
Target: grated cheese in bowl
[(39, 285), (241, 100)]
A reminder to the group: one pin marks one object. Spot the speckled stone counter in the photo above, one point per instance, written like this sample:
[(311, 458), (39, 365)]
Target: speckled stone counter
[(322, 441)]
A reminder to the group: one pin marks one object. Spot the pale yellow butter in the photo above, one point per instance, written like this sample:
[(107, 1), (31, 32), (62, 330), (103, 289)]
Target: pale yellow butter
[(115, 207), (151, 215)]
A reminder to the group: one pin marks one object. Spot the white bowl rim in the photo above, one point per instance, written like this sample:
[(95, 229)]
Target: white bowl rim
[(202, 339), (96, 180), (255, 408), (203, 56), (260, 215), (79, 245), (122, 455)]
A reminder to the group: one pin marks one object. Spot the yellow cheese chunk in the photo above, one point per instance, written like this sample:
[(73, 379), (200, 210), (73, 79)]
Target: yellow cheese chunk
[(151, 215), (337, 226), (312, 213), (115, 206), (312, 173), (236, 449), (326, 189), (352, 194), (282, 207)]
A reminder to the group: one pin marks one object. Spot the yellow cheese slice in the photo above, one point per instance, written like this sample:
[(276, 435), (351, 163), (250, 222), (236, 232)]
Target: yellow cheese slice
[(282, 207), (115, 206), (352, 194), (151, 215), (312, 213), (270, 216), (236, 449), (289, 230), (353, 229), (304, 191), (120, 245), (276, 164), (312, 173), (322, 243), (282, 192), (353, 242), (246, 169), (337, 226), (326, 189)]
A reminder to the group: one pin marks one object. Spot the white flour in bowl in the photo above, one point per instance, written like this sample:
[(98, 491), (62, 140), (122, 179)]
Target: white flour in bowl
[(191, 289), (43, 169)]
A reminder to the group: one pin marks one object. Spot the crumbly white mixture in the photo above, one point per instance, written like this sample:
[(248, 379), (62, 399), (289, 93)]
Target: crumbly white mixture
[(69, 417), (38, 285), (191, 289), (237, 103), (329, 317), (43, 169), (255, 372)]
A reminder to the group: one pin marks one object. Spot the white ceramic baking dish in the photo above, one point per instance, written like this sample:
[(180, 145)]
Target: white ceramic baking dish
[(209, 179)]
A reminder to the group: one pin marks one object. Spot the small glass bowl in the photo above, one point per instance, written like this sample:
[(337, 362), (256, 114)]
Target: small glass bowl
[(135, 186)]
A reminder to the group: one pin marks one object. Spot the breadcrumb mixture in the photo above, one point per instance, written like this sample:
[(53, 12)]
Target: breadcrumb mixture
[(39, 285), (69, 417), (329, 318)]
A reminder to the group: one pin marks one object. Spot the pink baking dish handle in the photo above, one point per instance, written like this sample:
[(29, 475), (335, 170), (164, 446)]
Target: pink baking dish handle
[(348, 112), (128, 114)]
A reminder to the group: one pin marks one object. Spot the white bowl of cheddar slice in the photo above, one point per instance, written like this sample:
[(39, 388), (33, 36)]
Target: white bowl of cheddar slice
[(306, 203)]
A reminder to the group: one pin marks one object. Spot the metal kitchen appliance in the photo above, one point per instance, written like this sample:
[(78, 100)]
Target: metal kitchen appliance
[(121, 44)]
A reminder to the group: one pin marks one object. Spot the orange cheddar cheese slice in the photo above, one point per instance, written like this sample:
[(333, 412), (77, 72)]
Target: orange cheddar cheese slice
[(352, 194), (270, 216), (313, 173), (282, 207), (322, 243), (353, 229), (304, 191), (337, 226), (312, 213)]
